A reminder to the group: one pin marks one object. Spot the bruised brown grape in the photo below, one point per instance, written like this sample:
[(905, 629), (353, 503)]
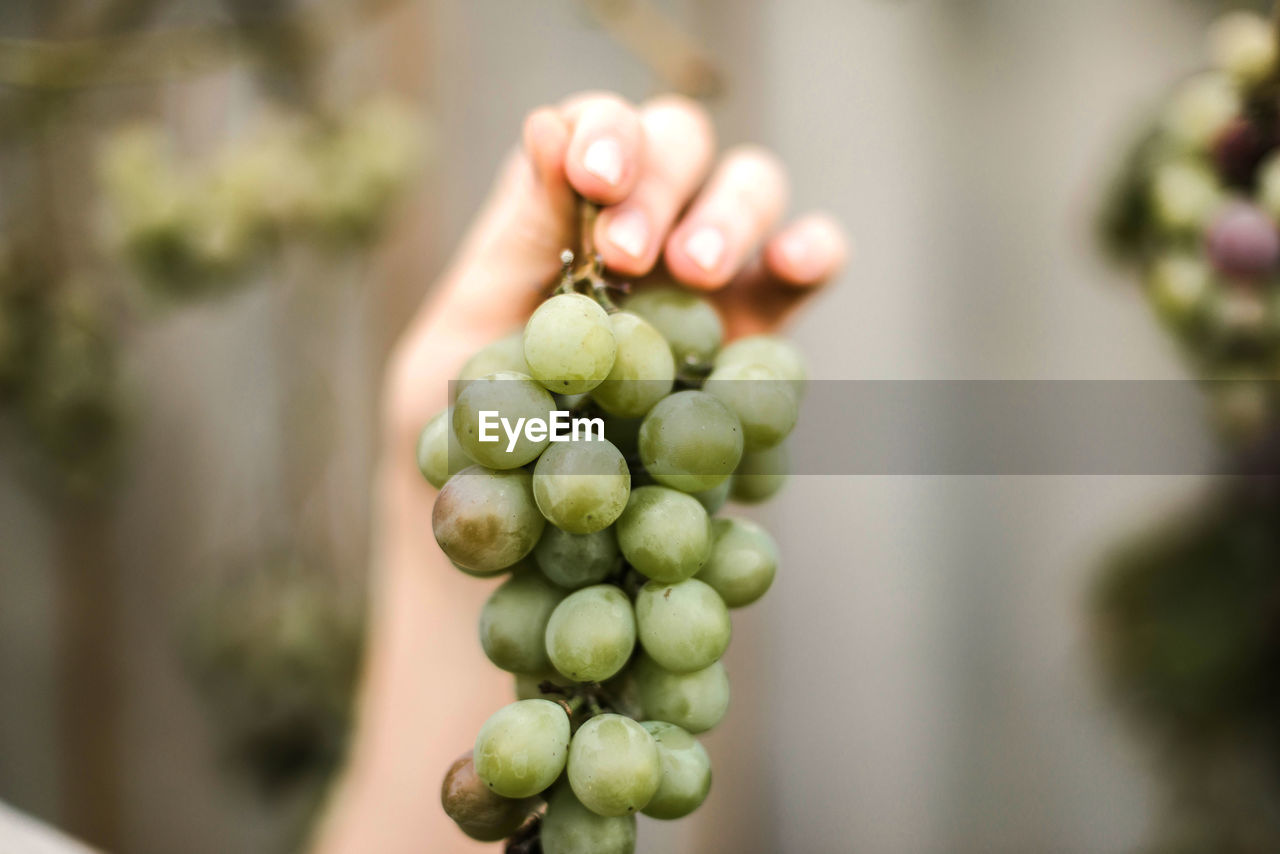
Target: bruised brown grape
[(487, 520), (481, 814)]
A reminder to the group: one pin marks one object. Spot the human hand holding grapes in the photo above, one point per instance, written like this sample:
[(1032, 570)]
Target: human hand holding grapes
[(426, 680)]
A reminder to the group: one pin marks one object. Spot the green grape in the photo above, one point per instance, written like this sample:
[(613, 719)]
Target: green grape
[(505, 354), (1178, 285), (743, 561), (581, 487), (773, 352), (591, 633), (624, 433), (1243, 44), (760, 475), (481, 814), (613, 768), (643, 372), (690, 441), (1203, 105), (765, 404), (576, 560), (440, 456), (513, 622), (516, 399), (695, 701), (686, 771), (523, 747), (1185, 195), (569, 344), (528, 685), (664, 534), (713, 499), (683, 626), (487, 520), (689, 323), (571, 828)]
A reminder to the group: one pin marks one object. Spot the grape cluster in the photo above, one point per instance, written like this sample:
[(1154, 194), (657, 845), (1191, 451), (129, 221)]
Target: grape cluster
[(203, 226), (615, 611), (1196, 207)]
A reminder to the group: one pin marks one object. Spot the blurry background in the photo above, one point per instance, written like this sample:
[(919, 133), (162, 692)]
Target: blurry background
[(184, 474)]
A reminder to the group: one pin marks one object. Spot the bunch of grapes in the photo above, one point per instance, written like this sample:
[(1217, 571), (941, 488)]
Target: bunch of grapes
[(202, 227), (616, 607), (1197, 207)]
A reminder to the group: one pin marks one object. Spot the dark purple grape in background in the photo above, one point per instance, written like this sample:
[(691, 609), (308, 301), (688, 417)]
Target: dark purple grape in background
[(1239, 150), (1243, 242)]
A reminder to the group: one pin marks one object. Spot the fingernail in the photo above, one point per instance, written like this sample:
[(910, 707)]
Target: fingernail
[(629, 231), (706, 247), (603, 158)]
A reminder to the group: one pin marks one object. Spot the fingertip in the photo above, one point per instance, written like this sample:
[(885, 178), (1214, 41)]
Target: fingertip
[(546, 139), (808, 252), (624, 235), (604, 156), (700, 256)]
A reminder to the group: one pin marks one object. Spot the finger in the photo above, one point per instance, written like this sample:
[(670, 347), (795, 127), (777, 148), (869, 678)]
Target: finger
[(808, 252), (546, 140), (605, 148), (678, 144), (746, 195)]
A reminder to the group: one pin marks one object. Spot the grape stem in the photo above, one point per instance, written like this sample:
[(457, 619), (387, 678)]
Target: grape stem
[(584, 270)]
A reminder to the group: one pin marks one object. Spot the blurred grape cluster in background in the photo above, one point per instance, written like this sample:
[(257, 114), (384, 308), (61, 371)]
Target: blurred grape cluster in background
[(1188, 613)]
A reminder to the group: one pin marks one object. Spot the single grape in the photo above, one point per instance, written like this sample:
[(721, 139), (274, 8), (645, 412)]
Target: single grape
[(1185, 195), (513, 622), (713, 499), (487, 520), (505, 354), (614, 768), (576, 560), (440, 455), (683, 626), (504, 395), (569, 344), (689, 323), (523, 747), (643, 372), (1243, 44), (760, 475), (1201, 108), (481, 814), (773, 352), (765, 404), (591, 633), (1177, 285), (1243, 242), (581, 487), (571, 828), (744, 560), (690, 441), (695, 701), (686, 772), (664, 534)]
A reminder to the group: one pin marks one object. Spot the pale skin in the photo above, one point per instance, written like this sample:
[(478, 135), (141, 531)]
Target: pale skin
[(668, 204)]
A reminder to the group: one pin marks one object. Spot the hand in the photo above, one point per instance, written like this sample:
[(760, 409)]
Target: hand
[(427, 685)]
